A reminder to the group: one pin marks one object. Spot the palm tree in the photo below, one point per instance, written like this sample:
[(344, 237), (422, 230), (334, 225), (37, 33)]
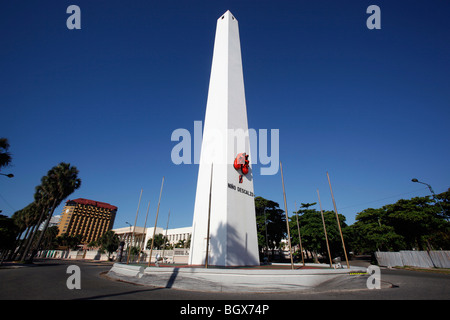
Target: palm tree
[(20, 227), (20, 221), (5, 156), (8, 231), (307, 205), (43, 203), (63, 181), (25, 219), (158, 243), (60, 181)]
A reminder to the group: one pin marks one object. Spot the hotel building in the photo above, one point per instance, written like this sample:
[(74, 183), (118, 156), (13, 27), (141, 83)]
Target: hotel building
[(89, 218)]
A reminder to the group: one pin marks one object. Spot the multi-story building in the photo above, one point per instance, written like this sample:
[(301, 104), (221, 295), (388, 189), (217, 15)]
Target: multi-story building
[(140, 236), (54, 221), (89, 218), (174, 236)]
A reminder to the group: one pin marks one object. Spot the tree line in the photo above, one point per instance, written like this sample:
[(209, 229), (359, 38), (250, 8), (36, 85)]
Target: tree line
[(415, 224), (20, 237)]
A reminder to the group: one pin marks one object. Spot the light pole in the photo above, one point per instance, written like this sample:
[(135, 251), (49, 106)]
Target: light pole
[(128, 237), (9, 175), (128, 224), (433, 194)]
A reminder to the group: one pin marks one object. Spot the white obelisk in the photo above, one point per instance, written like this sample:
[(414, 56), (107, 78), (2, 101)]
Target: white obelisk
[(232, 228)]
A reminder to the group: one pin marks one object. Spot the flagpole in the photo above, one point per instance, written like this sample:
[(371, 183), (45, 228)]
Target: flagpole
[(156, 221), (324, 229), (339, 224), (165, 236), (142, 244), (287, 218), (209, 218), (134, 229), (299, 237), (267, 239)]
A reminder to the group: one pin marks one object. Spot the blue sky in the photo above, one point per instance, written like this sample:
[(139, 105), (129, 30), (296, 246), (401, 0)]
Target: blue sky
[(371, 107)]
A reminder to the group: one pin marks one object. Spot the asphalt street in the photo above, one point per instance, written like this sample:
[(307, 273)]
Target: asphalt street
[(47, 280)]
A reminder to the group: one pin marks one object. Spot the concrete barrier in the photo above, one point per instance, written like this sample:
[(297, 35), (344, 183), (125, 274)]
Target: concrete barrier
[(72, 254), (421, 259), (233, 280), (127, 270)]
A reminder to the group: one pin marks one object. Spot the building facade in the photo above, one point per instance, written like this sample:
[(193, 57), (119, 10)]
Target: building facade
[(174, 236), (89, 218), (54, 221), (140, 236)]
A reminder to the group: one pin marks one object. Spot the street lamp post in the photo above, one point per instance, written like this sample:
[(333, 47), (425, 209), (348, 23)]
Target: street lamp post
[(9, 175), (432, 193)]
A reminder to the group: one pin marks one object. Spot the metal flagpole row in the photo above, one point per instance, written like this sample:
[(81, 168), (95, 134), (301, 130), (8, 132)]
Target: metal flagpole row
[(323, 221)]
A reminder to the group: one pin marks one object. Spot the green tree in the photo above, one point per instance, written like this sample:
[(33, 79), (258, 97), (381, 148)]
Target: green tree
[(444, 199), (8, 232), (180, 244), (60, 181), (371, 233), (134, 250), (159, 242), (311, 230), (416, 220), (294, 226), (307, 205), (109, 242), (417, 223), (43, 201), (26, 220), (313, 234), (69, 241), (49, 238), (270, 223)]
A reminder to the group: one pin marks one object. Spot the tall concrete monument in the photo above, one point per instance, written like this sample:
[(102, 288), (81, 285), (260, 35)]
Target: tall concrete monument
[(224, 202)]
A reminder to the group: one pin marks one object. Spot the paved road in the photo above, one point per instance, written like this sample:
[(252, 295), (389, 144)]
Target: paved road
[(47, 280)]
